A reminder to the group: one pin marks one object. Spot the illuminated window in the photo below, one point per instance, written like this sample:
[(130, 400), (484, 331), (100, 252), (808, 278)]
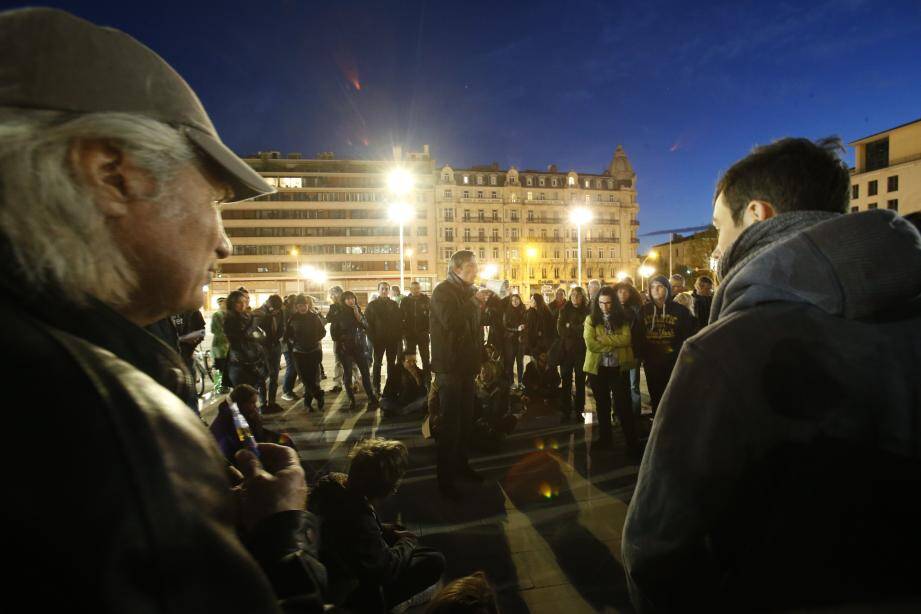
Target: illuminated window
[(466, 179), (447, 193), (479, 179), (529, 181), (530, 195), (588, 183), (290, 182), (572, 181), (272, 181), (492, 180)]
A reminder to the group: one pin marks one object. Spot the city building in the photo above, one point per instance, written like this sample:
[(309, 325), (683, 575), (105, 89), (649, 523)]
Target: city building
[(518, 222), (887, 170), (688, 256), (328, 223)]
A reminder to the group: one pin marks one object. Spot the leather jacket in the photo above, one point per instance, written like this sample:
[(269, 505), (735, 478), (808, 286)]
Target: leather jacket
[(123, 504), (416, 312), (456, 340)]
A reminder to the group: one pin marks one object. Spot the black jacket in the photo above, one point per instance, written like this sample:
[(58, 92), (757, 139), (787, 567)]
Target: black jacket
[(569, 328), (539, 331), (385, 322), (272, 324), (546, 382), (666, 328), (512, 318), (403, 387), (304, 332), (349, 333), (353, 544), (150, 513), (416, 311), (456, 342), (245, 339)]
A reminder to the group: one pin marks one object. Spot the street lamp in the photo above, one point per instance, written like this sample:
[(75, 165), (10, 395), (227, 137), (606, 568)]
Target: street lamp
[(621, 275), (400, 213), (400, 182), (580, 216), (409, 256), (489, 271), (652, 255)]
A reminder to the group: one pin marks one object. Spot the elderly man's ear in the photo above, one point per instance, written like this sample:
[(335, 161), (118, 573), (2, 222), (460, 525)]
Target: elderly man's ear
[(111, 176)]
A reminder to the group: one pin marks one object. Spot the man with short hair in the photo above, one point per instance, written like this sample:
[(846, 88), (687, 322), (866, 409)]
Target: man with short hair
[(783, 470), (456, 356), (385, 331), (666, 326), (702, 296), (105, 143), (416, 310), (593, 287), (396, 294)]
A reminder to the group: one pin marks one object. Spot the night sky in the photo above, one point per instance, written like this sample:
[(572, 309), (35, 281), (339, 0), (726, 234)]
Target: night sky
[(687, 88)]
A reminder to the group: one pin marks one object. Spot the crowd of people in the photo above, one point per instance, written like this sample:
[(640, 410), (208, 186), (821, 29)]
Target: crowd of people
[(782, 471)]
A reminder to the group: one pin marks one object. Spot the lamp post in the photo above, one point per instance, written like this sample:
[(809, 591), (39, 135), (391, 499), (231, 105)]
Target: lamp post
[(296, 254), (400, 183), (580, 216), (644, 269)]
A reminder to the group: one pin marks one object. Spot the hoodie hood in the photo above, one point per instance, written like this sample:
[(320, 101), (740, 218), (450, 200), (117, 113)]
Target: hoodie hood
[(852, 266), (661, 279)]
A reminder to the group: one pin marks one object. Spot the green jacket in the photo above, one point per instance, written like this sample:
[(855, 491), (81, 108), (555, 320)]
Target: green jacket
[(219, 343), (598, 341)]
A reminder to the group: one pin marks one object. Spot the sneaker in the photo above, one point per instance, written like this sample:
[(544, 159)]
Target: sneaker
[(289, 396)]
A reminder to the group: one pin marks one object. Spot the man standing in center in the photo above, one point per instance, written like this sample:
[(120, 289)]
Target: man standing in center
[(385, 330), (416, 309), (456, 359)]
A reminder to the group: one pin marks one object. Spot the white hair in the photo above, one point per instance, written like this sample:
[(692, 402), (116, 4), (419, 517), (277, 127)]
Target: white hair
[(59, 238)]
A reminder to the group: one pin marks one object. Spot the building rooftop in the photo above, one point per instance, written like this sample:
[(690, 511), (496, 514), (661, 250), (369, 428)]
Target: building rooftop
[(881, 132)]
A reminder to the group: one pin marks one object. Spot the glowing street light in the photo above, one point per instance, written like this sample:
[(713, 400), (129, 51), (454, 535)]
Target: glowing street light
[(313, 274), (401, 213), (531, 251), (400, 182), (652, 255), (646, 271), (580, 216), (489, 271), (621, 275)]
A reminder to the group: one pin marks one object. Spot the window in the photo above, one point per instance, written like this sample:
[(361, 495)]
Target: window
[(482, 254), (601, 273), (290, 182), (610, 184), (543, 233), (531, 272), (872, 206), (588, 199), (449, 215), (542, 196), (892, 183), (481, 233), (514, 272), (494, 194), (447, 253), (515, 254), (572, 271), (588, 183), (495, 235), (467, 235), (446, 178), (529, 181), (466, 193), (422, 265), (855, 209), (893, 204), (613, 253), (588, 272), (872, 188), (479, 193), (466, 179), (877, 154), (422, 231), (541, 182), (530, 215), (530, 233), (447, 193), (479, 179), (556, 234), (514, 234), (855, 191), (571, 182), (495, 215), (588, 253), (530, 195), (495, 253), (514, 215), (492, 181), (423, 248), (481, 215)]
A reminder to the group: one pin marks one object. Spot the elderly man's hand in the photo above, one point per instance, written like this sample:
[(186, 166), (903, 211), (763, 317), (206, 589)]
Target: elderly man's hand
[(270, 485)]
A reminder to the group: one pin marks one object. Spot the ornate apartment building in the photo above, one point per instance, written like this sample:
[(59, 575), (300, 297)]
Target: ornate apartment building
[(331, 216), (518, 224)]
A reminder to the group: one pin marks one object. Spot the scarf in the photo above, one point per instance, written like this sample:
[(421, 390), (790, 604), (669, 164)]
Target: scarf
[(754, 241)]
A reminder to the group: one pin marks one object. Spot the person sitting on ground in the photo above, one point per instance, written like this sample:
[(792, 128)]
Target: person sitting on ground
[(541, 381), (471, 594), (405, 392), (225, 431), (372, 566), (493, 418)]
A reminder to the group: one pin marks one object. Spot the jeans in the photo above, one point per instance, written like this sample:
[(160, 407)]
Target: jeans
[(246, 374), (273, 357), (392, 407), (287, 386), (513, 356), (571, 366), (308, 369), (635, 395), (337, 370), (657, 376), (391, 348), (612, 382), (348, 362), (420, 341), (456, 394)]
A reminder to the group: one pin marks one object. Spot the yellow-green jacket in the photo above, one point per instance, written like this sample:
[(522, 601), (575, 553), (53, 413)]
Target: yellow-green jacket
[(599, 341)]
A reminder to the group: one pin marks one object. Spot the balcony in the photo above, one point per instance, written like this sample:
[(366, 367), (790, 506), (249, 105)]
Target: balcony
[(634, 222)]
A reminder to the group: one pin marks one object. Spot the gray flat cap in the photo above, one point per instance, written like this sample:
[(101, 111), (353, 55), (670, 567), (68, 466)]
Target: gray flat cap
[(50, 59)]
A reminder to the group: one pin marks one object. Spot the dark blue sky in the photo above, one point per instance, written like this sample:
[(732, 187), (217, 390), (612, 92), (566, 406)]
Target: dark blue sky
[(687, 88)]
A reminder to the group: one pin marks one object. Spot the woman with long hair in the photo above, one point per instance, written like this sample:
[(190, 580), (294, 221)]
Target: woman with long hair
[(513, 325), (304, 332), (540, 328), (246, 356), (569, 328), (608, 360), (349, 331)]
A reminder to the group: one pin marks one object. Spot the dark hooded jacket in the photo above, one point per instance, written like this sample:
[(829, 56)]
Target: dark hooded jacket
[(665, 328), (456, 341), (569, 328), (784, 465), (385, 322), (353, 544)]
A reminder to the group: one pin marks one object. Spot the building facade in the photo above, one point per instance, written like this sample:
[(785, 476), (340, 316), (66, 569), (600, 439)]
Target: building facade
[(328, 216), (518, 222), (687, 256), (887, 170)]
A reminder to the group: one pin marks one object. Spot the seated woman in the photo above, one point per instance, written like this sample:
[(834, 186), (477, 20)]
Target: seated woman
[(541, 381), (405, 391), (225, 431), (372, 567)]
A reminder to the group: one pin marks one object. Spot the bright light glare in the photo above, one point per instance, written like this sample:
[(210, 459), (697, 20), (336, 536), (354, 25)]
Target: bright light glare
[(294, 251), (400, 181), (409, 252), (531, 252), (621, 275), (653, 254), (305, 270), (400, 213), (489, 271), (318, 276), (646, 270), (205, 288), (580, 216)]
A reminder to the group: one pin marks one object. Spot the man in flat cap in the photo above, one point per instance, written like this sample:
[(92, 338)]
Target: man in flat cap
[(111, 176)]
